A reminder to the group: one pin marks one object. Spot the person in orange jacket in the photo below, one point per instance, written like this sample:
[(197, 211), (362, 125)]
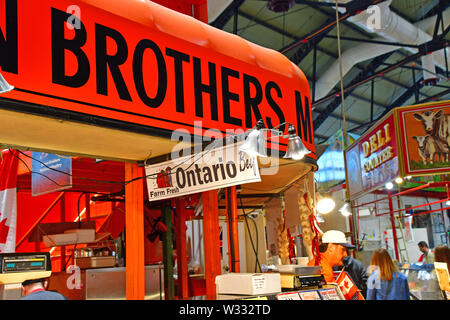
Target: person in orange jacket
[(332, 250)]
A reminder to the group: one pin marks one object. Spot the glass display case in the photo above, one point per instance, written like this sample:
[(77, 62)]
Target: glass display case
[(422, 281)]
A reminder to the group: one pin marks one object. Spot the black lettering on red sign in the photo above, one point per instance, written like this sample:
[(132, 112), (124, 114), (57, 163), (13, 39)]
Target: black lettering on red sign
[(303, 118), (104, 61), (178, 59), (9, 43), (200, 88), (59, 47), (251, 103), (275, 107), (227, 95), (138, 75)]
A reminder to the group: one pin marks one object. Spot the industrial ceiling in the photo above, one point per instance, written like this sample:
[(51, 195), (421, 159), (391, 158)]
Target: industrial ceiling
[(391, 51)]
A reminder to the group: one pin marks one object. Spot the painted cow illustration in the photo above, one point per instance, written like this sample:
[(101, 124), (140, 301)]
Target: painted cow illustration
[(436, 124), (430, 147)]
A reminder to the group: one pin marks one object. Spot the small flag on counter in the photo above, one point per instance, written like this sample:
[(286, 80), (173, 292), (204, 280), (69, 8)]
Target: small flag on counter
[(346, 285)]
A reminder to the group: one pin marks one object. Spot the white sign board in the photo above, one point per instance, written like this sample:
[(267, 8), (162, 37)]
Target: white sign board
[(211, 169)]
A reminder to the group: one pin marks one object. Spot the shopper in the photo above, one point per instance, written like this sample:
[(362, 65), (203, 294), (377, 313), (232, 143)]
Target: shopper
[(332, 250), (36, 289), (386, 282), (356, 271), (427, 256)]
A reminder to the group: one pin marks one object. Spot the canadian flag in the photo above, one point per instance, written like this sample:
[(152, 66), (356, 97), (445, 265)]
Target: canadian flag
[(8, 200), (346, 285)]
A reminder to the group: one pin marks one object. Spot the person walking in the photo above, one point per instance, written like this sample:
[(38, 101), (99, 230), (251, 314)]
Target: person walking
[(386, 282)]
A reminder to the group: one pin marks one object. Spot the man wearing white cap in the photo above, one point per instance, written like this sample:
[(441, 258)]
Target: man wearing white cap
[(333, 250)]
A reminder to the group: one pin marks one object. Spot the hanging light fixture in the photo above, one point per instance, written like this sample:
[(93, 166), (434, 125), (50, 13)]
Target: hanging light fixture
[(254, 144), (4, 86), (325, 205), (345, 210), (296, 149)]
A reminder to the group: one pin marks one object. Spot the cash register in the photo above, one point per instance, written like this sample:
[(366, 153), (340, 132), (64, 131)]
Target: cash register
[(15, 268)]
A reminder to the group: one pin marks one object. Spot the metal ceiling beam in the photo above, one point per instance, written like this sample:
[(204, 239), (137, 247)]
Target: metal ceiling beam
[(359, 97), (426, 48), (403, 97), (317, 4), (267, 25), (368, 71), (387, 43), (226, 14), (353, 8), (293, 36), (360, 68), (348, 119)]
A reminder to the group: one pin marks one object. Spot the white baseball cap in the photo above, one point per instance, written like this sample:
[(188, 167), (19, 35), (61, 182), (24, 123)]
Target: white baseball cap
[(337, 237)]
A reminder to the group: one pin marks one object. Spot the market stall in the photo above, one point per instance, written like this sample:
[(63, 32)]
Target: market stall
[(403, 166), (135, 87)]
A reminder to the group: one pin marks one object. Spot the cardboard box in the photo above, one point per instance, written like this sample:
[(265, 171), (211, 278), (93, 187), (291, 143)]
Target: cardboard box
[(248, 283), (95, 262), (83, 235), (60, 239)]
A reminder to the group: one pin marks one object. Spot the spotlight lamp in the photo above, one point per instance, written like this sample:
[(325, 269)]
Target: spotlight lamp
[(4, 86), (296, 149), (254, 143), (325, 205)]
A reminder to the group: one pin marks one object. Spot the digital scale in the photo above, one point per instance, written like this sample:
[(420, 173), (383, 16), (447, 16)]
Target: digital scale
[(15, 268), (295, 277), (294, 282)]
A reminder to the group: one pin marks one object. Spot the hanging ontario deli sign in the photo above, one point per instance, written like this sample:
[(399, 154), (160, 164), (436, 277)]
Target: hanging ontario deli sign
[(211, 169), (374, 156)]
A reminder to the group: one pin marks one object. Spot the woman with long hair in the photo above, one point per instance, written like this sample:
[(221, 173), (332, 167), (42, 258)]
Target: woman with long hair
[(386, 282)]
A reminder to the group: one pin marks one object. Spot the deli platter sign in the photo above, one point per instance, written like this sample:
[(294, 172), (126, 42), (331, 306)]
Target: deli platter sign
[(211, 169)]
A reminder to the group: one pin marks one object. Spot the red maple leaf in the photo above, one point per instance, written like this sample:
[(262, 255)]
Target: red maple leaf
[(346, 284), (4, 230)]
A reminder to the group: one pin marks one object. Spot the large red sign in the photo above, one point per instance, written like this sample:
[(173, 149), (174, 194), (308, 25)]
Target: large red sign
[(372, 160), (138, 66)]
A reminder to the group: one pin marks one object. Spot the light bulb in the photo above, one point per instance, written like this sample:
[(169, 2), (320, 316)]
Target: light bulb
[(389, 185), (447, 203), (325, 205), (398, 180)]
